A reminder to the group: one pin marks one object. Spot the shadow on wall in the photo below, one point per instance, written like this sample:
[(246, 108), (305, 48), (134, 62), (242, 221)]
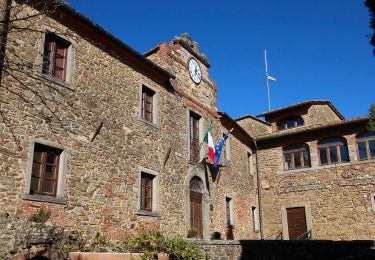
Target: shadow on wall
[(306, 250)]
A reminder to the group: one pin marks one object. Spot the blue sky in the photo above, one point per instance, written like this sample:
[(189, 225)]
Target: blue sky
[(316, 49)]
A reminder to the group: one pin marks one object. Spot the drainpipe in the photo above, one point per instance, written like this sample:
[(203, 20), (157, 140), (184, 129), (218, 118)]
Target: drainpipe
[(259, 191), (4, 33)]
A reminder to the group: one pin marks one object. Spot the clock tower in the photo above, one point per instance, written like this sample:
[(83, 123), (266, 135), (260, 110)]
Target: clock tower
[(182, 58)]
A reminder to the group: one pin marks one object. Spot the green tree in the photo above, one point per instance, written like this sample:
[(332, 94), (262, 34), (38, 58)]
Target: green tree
[(371, 123), (371, 6)]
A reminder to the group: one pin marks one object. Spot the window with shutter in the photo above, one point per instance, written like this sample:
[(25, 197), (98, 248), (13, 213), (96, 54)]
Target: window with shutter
[(147, 104), (55, 56), (45, 169), (194, 137), (146, 191)]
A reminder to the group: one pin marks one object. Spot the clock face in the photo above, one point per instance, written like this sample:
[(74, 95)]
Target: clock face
[(195, 71)]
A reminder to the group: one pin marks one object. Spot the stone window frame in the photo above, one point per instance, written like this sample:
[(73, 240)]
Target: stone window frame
[(155, 104), (326, 147), (249, 162), (67, 82), (227, 149), (231, 211), (202, 131), (284, 219), (155, 212), (284, 121), (366, 141), (302, 147), (373, 201), (198, 171), (255, 218), (59, 198)]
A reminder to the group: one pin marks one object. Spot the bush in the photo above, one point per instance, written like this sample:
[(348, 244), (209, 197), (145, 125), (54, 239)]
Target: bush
[(153, 242), (216, 235), (41, 216), (149, 243), (192, 233)]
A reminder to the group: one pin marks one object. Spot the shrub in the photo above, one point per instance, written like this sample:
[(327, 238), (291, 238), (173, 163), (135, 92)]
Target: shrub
[(192, 233), (41, 216)]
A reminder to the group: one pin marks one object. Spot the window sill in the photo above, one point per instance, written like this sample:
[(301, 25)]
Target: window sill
[(56, 81), (148, 213), (44, 198), (313, 168), (149, 123)]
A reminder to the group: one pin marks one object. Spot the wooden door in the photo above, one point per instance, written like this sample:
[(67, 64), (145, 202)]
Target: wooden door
[(297, 227), (196, 212)]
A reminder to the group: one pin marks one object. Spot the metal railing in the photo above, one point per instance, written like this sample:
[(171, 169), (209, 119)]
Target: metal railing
[(305, 236), (279, 236)]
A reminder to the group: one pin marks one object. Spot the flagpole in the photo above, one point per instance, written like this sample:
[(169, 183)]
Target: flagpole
[(268, 87)]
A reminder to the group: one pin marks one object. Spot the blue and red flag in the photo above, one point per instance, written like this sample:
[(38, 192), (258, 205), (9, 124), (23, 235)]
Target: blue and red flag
[(219, 148)]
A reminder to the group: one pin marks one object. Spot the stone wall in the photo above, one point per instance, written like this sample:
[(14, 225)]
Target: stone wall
[(294, 250), (101, 177), (337, 198), (23, 239), (254, 127)]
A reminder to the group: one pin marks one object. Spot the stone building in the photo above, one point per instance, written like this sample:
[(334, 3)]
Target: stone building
[(111, 141), (317, 173)]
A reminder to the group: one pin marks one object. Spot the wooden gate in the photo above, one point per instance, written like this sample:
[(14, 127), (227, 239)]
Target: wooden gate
[(297, 227)]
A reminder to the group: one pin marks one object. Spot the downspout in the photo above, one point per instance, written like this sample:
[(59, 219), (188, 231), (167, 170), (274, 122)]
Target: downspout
[(259, 191), (4, 33)]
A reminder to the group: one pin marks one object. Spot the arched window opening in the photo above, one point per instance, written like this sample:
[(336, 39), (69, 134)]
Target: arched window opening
[(334, 150), (366, 146), (296, 156), (290, 122)]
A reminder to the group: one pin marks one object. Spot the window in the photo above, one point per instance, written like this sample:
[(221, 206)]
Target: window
[(146, 191), (228, 211), (296, 156), (366, 146), (147, 104), (194, 137), (290, 122), (334, 150), (373, 201), (55, 56), (249, 163), (254, 214), (45, 170)]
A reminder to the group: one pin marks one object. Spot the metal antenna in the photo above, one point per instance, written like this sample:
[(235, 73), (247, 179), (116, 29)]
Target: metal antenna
[(268, 87), (268, 77)]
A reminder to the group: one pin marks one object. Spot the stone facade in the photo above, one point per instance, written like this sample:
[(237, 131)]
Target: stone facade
[(337, 198), (94, 118)]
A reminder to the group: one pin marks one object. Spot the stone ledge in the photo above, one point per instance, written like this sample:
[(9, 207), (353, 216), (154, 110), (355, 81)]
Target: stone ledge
[(308, 169), (42, 198), (149, 123), (148, 213), (56, 81)]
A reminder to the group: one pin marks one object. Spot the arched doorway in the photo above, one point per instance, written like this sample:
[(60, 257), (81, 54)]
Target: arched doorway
[(196, 209)]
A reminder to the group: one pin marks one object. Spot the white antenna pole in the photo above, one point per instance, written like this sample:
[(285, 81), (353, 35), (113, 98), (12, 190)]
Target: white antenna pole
[(268, 87)]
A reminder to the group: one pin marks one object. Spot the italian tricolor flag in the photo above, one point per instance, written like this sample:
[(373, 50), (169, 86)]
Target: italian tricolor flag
[(211, 147)]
